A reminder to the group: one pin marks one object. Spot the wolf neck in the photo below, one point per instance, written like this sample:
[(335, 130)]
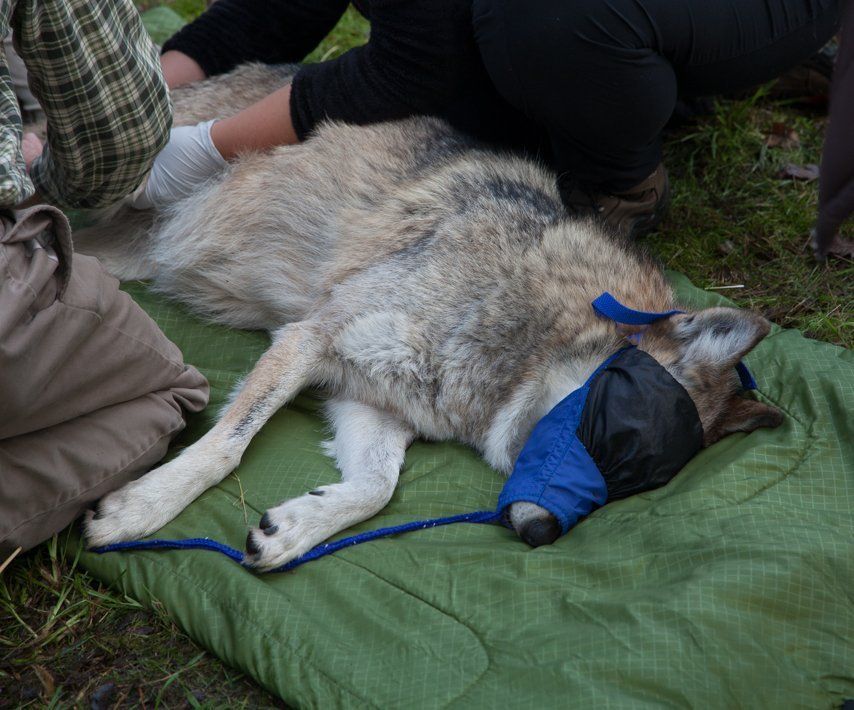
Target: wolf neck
[(530, 402)]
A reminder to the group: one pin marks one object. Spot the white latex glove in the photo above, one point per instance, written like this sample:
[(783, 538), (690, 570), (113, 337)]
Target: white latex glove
[(189, 159)]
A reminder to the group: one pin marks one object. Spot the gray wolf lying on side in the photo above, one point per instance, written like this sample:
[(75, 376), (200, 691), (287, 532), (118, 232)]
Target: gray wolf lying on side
[(433, 288)]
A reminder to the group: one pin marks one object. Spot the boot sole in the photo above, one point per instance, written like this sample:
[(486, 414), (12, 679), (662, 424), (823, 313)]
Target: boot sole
[(645, 224)]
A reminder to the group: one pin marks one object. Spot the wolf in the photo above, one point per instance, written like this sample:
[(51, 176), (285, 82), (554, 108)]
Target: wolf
[(433, 287)]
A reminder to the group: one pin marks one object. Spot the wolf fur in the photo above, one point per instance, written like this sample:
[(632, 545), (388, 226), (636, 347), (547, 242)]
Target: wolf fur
[(435, 289)]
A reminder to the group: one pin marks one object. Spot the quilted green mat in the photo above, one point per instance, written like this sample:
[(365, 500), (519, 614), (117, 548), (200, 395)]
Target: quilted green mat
[(733, 586)]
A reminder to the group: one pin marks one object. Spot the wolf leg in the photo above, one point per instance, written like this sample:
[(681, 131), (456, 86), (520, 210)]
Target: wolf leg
[(150, 502), (369, 446)]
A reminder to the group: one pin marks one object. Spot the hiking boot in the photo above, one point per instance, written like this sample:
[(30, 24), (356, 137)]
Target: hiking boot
[(808, 82), (635, 212)]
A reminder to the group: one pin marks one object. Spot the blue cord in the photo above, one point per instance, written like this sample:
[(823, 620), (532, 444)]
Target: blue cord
[(194, 543), (204, 543)]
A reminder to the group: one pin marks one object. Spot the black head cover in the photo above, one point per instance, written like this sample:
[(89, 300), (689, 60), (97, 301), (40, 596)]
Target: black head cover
[(639, 425)]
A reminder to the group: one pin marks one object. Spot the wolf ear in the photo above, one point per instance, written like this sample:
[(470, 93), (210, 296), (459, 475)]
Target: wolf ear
[(719, 336), (746, 415)]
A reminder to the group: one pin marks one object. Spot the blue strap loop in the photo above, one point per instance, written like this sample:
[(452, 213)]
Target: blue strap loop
[(747, 381), (609, 307)]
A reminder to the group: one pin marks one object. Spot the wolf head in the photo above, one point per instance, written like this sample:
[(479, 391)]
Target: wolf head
[(700, 350)]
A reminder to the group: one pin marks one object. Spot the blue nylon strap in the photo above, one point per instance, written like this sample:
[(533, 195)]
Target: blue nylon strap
[(204, 543), (747, 381), (480, 516), (609, 307)]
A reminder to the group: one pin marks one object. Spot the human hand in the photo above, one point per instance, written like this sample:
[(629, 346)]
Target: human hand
[(31, 147), (189, 159)]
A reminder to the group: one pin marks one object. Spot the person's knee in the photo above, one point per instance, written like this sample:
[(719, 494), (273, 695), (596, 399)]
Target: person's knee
[(559, 31), (553, 52), (517, 49), (590, 73), (550, 21)]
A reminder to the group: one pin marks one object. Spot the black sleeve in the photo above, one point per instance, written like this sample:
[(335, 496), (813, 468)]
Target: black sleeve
[(417, 59), (232, 32)]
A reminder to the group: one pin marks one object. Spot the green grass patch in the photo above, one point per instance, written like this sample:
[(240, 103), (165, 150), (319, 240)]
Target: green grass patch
[(351, 31), (736, 221), (188, 9), (66, 641)]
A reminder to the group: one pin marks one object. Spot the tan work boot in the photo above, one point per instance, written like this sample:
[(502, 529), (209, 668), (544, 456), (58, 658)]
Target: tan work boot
[(809, 82), (635, 212)]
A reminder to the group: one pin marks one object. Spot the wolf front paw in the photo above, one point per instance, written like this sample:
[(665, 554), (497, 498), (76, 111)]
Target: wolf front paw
[(131, 512), (288, 531)]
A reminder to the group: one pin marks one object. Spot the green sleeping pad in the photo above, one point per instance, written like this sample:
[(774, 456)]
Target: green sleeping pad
[(733, 586)]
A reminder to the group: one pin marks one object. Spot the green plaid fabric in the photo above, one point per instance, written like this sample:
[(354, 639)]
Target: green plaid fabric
[(97, 75)]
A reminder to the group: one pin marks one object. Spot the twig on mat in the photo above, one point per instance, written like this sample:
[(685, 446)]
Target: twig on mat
[(241, 499)]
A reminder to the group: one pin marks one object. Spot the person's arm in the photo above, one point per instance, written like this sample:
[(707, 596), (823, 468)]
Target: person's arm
[(233, 32), (31, 148), (264, 124), (107, 107), (195, 153), (179, 69), (411, 65), (15, 184)]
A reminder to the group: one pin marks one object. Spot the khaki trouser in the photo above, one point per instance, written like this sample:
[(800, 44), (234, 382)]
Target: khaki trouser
[(91, 391)]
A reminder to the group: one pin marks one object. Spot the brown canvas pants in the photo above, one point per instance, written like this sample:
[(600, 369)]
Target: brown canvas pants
[(91, 391)]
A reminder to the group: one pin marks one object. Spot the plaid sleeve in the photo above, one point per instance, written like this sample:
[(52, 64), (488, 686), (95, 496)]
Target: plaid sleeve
[(15, 184), (97, 76)]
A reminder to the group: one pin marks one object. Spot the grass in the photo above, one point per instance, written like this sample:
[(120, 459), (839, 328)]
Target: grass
[(351, 31), (188, 9), (735, 222), (65, 640)]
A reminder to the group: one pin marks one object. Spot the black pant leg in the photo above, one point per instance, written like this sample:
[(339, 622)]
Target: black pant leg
[(602, 76)]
